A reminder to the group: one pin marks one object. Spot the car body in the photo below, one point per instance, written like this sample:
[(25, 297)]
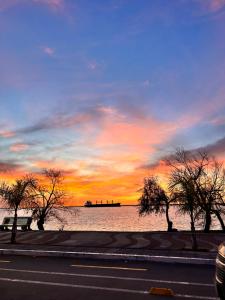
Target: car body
[(220, 271)]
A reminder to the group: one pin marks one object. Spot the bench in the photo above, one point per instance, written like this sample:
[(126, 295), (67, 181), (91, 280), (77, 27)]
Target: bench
[(22, 222)]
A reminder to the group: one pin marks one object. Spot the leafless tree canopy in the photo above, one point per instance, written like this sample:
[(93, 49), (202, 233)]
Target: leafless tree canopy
[(198, 181), (196, 184), (49, 198)]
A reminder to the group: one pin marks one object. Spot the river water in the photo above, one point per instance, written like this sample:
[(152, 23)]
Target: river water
[(124, 218)]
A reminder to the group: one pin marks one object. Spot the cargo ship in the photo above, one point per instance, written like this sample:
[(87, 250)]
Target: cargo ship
[(100, 204)]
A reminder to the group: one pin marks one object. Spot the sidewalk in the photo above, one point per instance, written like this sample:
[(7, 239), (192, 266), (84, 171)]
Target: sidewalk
[(151, 246)]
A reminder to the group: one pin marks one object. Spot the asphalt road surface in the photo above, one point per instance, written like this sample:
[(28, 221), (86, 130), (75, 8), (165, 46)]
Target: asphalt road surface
[(44, 278)]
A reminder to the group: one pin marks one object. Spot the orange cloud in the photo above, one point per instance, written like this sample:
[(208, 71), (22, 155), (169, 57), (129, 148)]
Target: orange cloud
[(52, 163), (123, 151), (104, 183), (123, 188)]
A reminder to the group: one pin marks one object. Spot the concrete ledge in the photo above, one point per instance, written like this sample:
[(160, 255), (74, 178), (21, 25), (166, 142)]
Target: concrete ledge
[(109, 256)]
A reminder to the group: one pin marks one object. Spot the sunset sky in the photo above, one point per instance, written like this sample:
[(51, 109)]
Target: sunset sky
[(105, 89)]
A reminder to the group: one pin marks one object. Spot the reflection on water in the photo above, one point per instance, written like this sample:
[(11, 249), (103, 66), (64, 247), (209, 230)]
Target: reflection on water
[(124, 218)]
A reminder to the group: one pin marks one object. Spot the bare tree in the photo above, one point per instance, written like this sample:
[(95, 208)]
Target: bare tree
[(17, 195), (212, 186), (184, 191), (198, 181), (187, 170), (155, 200), (49, 198)]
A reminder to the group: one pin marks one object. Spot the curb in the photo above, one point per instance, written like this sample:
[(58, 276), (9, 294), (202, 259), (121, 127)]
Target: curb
[(109, 256)]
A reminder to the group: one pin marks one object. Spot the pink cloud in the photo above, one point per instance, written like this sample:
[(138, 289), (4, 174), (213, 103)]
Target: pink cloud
[(7, 134), (214, 5), (18, 147), (211, 6), (204, 110), (142, 135), (218, 121), (56, 5)]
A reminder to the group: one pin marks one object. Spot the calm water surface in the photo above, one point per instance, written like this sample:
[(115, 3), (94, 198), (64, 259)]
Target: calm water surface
[(124, 218)]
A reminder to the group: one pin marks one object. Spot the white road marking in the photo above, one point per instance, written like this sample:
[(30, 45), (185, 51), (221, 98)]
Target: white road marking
[(107, 267), (5, 261), (108, 277), (98, 288), (196, 297), (91, 287), (116, 255)]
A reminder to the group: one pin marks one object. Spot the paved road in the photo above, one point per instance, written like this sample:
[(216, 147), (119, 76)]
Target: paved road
[(43, 278)]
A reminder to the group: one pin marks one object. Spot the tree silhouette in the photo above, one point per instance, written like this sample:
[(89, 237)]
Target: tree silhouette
[(155, 200), (49, 198), (201, 176), (17, 195)]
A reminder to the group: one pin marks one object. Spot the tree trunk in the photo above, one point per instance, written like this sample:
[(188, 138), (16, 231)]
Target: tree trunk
[(208, 221), (193, 234), (217, 213), (169, 223), (14, 227), (40, 224)]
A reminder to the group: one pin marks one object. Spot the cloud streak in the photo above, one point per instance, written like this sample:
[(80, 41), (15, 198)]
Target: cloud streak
[(54, 5), (63, 121), (19, 147), (9, 165)]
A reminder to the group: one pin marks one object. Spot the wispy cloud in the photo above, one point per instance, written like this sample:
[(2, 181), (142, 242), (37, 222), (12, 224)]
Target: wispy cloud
[(211, 6), (142, 135), (95, 65), (63, 120), (7, 134), (19, 147), (4, 5), (92, 65), (47, 50), (54, 5), (216, 149)]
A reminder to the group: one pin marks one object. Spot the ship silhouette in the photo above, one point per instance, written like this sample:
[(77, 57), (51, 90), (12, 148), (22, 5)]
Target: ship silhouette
[(107, 204)]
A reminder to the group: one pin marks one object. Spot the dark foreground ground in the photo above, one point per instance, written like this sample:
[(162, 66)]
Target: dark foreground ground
[(44, 278)]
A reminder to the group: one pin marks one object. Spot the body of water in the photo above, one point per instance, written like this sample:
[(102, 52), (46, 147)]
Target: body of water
[(124, 218)]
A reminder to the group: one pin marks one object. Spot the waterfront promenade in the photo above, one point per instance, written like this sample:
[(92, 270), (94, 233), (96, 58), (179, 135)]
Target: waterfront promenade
[(131, 243)]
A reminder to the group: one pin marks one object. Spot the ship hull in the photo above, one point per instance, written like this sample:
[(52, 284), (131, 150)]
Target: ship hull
[(103, 205)]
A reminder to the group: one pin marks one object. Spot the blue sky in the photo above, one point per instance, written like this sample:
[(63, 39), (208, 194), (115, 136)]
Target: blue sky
[(104, 89)]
